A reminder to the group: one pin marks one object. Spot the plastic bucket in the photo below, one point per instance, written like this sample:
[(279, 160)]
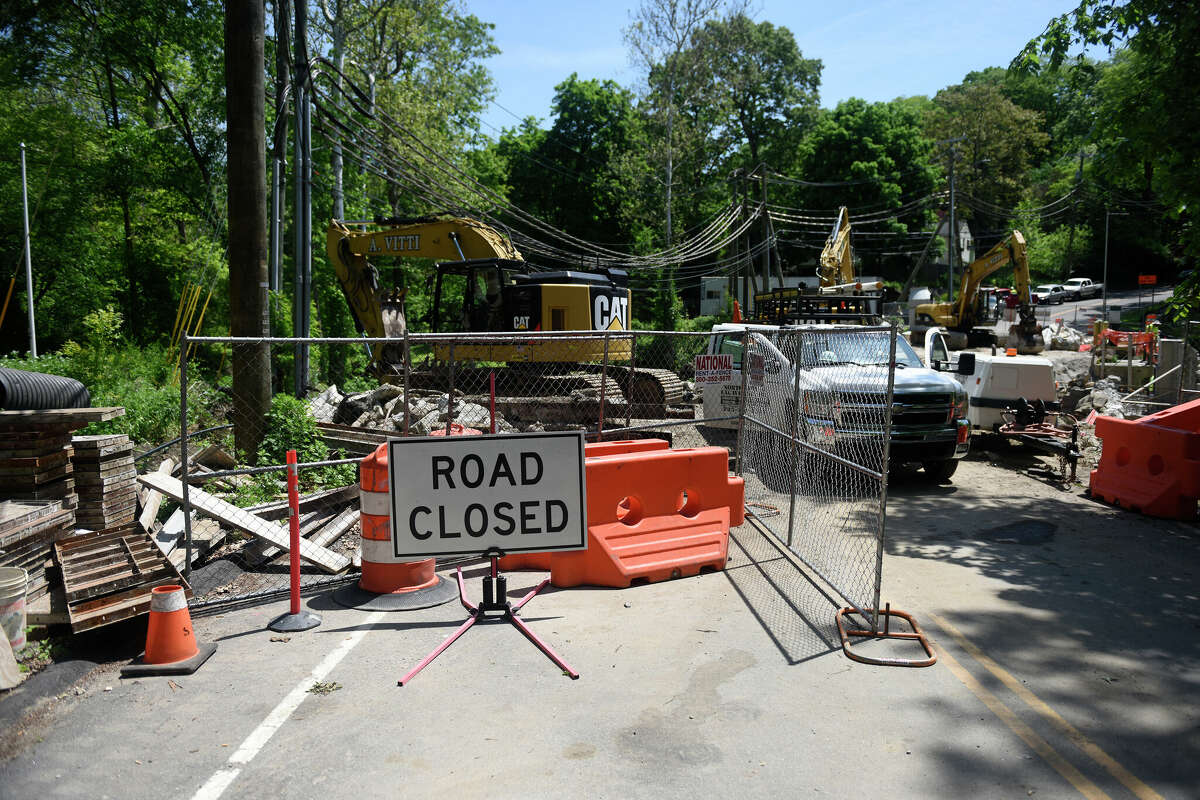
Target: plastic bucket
[(12, 605)]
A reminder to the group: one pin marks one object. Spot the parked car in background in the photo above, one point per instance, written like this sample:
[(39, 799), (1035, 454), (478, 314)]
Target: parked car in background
[(1079, 288), (1049, 294)]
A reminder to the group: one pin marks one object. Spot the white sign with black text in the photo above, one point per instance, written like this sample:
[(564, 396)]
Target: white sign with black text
[(714, 368), (468, 494)]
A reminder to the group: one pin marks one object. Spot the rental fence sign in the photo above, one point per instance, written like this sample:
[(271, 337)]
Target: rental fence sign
[(468, 494), (714, 368)]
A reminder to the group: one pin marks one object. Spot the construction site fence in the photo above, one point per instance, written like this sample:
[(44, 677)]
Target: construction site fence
[(608, 385)]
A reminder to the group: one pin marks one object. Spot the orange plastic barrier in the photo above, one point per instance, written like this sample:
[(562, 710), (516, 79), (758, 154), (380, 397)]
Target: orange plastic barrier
[(624, 446), (382, 572), (652, 515), (1152, 464)]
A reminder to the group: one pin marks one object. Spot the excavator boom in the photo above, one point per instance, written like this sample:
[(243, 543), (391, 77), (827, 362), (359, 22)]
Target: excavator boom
[(837, 260)]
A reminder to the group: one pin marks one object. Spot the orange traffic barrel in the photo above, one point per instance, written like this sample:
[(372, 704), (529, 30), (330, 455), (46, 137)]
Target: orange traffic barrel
[(388, 583), (171, 646)]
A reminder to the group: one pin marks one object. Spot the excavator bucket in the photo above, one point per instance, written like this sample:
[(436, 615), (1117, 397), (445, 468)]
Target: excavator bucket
[(1026, 335)]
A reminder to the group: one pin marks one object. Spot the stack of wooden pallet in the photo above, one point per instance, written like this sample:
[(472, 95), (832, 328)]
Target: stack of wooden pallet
[(35, 452), (105, 479), (28, 532), (35, 463)]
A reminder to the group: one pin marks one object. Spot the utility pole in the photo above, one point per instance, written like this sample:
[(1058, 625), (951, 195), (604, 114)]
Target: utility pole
[(1104, 283), (303, 172), (766, 232), (952, 234), (245, 115), (952, 239), (28, 258)]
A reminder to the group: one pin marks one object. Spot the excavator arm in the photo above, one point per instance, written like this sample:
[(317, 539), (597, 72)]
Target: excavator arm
[(837, 261), (378, 313)]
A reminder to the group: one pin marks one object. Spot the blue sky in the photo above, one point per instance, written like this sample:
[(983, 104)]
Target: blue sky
[(874, 50)]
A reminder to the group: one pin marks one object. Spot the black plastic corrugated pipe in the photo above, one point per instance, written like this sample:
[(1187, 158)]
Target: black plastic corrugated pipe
[(23, 391)]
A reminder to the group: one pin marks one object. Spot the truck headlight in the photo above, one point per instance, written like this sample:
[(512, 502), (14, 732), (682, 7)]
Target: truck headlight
[(961, 404)]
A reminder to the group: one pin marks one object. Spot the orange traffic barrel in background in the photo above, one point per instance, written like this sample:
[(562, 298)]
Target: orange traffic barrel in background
[(171, 646), (388, 583)]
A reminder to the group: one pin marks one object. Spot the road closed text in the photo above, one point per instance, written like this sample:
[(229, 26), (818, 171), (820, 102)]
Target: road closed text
[(470, 494)]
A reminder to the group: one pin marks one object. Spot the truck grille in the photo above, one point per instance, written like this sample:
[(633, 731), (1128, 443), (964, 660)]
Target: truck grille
[(908, 410)]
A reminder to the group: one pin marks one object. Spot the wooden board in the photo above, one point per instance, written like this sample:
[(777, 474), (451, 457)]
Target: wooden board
[(108, 575), (100, 441), (78, 417), (239, 518), (153, 500)]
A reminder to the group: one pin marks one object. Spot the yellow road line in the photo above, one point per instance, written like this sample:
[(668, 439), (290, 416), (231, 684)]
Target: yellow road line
[(1093, 751), (1039, 745)]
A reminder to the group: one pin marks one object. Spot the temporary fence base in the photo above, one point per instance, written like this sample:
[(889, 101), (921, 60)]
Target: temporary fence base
[(294, 623), (354, 596)]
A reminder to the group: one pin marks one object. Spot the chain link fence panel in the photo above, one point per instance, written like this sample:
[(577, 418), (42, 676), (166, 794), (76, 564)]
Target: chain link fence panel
[(815, 432), (805, 412)]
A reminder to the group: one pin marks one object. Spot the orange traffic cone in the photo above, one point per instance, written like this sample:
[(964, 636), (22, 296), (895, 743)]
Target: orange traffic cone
[(171, 647)]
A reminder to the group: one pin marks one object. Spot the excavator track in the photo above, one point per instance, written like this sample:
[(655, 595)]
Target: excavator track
[(653, 387)]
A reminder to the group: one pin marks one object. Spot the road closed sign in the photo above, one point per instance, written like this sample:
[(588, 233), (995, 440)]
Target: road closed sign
[(468, 494)]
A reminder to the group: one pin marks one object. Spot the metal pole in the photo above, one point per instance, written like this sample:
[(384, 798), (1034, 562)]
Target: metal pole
[(883, 474), (28, 258), (741, 422), (632, 373), (450, 393), (407, 395), (303, 240), (276, 241), (603, 387), (766, 233), (795, 438), (183, 455), (952, 238), (1187, 331)]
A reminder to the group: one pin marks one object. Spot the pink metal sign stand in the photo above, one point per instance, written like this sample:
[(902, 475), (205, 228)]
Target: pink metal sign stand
[(494, 606)]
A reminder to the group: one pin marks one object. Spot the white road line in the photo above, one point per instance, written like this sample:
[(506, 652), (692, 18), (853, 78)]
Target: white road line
[(215, 786)]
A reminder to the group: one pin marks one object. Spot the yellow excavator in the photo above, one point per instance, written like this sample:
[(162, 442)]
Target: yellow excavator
[(839, 298), (836, 266), (501, 292), (961, 317)]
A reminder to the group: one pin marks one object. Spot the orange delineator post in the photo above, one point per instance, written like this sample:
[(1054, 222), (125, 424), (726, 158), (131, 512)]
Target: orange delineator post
[(1152, 464), (652, 515)]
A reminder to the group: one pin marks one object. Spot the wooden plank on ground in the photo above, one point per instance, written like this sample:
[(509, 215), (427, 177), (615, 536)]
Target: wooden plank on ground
[(61, 416), (239, 518)]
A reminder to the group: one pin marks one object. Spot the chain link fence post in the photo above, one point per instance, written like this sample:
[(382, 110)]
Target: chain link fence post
[(739, 447), (603, 387), (632, 372), (795, 433), (450, 393), (883, 478), (407, 384), (183, 454)]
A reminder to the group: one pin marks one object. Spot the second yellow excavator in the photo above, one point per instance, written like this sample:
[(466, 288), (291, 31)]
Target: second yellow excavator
[(963, 315)]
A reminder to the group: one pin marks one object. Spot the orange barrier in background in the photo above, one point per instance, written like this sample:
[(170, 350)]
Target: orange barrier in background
[(1152, 464), (624, 446), (652, 515)]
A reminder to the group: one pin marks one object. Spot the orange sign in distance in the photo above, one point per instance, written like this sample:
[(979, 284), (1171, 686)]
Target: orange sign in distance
[(1147, 280)]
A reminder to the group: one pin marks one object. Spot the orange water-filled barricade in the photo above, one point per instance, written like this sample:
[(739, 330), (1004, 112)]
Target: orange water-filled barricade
[(1152, 464), (652, 515)]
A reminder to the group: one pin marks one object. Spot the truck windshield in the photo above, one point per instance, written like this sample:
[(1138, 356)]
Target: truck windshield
[(820, 351)]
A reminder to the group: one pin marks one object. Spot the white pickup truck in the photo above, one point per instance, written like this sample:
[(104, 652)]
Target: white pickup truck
[(1079, 288)]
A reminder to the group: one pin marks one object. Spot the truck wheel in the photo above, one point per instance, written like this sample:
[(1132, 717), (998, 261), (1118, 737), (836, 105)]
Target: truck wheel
[(940, 471)]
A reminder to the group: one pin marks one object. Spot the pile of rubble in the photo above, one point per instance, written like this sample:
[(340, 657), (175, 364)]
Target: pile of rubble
[(383, 409), (1062, 337)]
